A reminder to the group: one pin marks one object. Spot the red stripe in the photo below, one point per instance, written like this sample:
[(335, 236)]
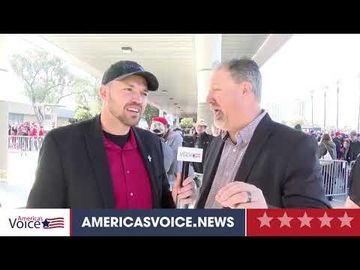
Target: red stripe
[(52, 227), (316, 222), (59, 218), (57, 222)]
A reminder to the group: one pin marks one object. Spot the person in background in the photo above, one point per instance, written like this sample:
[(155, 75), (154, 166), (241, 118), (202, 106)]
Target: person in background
[(354, 148), (344, 149), (201, 139), (327, 145), (353, 199), (170, 161), (298, 127), (215, 131), (338, 143), (174, 140)]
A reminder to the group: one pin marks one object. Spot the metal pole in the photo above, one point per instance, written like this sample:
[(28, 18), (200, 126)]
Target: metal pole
[(358, 116), (312, 108), (337, 105), (325, 108), (358, 120)]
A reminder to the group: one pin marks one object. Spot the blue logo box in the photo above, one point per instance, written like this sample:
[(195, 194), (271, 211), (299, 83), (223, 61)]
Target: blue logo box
[(158, 222)]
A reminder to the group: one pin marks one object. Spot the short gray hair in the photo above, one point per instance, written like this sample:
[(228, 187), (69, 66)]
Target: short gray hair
[(244, 69)]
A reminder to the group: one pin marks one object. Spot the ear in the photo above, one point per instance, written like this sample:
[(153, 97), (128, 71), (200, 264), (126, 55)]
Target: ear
[(103, 92), (247, 88)]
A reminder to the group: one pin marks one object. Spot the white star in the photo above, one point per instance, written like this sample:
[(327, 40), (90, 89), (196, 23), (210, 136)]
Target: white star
[(345, 220), (149, 158), (305, 220), (265, 220), (285, 220), (325, 220)]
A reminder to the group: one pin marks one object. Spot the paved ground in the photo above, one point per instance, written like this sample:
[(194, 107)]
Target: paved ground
[(21, 175), (338, 202)]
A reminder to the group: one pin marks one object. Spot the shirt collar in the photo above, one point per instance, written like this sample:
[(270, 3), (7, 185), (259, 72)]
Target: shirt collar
[(244, 135), (129, 145)]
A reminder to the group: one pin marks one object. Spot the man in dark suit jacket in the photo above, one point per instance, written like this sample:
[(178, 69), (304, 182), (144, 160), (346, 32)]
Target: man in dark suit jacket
[(354, 149), (257, 163), (106, 162), (200, 140), (353, 198)]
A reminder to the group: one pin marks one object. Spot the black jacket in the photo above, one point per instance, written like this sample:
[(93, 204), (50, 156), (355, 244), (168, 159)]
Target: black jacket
[(354, 182), (354, 151), (200, 142), (280, 161), (73, 170)]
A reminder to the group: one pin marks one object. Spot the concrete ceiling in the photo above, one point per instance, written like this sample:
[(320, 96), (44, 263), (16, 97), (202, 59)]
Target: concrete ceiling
[(169, 56)]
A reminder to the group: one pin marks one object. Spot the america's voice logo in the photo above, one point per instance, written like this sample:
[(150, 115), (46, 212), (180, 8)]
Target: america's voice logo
[(36, 222)]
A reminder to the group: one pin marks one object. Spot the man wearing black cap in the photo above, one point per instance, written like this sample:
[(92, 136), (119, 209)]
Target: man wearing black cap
[(107, 162)]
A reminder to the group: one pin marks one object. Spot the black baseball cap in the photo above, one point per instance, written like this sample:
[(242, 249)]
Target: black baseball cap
[(122, 69)]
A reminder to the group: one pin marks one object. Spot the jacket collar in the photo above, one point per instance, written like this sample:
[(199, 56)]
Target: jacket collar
[(97, 154)]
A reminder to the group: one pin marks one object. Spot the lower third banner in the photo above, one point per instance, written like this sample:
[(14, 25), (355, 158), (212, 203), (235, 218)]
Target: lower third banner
[(158, 222)]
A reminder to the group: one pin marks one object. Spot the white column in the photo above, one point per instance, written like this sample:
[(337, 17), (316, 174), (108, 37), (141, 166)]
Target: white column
[(4, 72), (207, 54), (3, 139)]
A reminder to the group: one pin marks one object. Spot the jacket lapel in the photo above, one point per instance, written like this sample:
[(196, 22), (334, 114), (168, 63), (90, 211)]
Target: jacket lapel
[(212, 162), (148, 161), (96, 151), (260, 136)]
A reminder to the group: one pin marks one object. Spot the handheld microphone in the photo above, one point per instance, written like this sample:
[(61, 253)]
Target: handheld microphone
[(187, 155), (184, 171)]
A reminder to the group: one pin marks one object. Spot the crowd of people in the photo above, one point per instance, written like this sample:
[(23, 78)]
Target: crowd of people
[(340, 145), (26, 136)]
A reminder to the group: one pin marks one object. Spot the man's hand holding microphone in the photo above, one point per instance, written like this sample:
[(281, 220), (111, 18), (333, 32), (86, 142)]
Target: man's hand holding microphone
[(184, 188)]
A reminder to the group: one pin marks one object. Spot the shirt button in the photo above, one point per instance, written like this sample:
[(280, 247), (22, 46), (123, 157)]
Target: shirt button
[(131, 194), (234, 150), (127, 172)]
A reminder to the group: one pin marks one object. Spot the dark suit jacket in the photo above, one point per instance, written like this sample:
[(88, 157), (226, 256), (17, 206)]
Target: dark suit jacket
[(354, 182), (354, 151), (280, 161), (73, 171), (203, 143)]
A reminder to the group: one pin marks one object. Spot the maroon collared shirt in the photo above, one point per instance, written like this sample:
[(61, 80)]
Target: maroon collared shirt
[(130, 179)]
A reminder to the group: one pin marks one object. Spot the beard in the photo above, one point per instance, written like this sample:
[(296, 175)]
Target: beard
[(125, 117), (128, 121), (220, 121), (121, 112)]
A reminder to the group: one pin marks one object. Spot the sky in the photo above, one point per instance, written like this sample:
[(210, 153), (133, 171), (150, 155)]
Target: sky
[(13, 89), (19, 44), (314, 62)]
